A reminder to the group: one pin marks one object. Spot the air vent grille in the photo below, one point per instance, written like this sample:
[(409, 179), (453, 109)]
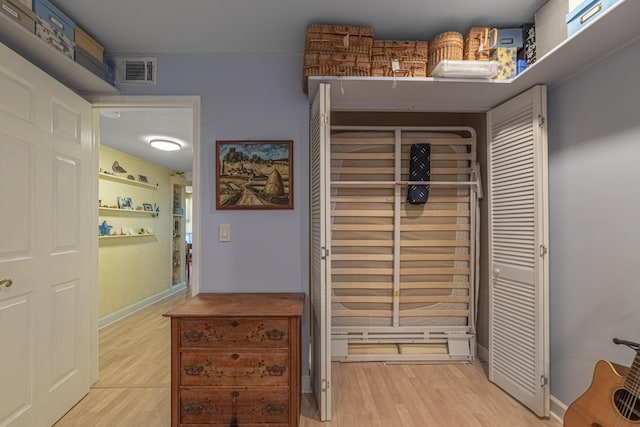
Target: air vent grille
[(136, 70)]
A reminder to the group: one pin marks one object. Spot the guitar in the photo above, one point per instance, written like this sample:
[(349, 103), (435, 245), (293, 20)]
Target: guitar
[(613, 398)]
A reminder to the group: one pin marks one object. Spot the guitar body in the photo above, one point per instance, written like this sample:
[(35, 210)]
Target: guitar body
[(596, 407)]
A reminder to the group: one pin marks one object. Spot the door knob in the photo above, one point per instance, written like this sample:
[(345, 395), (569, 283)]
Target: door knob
[(6, 283)]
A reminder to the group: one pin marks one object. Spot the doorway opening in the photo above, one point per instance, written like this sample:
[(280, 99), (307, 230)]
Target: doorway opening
[(148, 203)]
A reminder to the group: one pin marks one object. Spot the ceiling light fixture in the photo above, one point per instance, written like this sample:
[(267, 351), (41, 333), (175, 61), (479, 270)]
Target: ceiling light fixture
[(165, 145)]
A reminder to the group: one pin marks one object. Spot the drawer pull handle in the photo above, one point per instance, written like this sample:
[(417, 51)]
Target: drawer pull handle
[(276, 371), (235, 323), (274, 409), (235, 356), (193, 335), (193, 369), (275, 334), (194, 409)]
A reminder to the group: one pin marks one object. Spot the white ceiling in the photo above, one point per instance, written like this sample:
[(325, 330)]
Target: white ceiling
[(132, 131), (276, 26), (155, 27)]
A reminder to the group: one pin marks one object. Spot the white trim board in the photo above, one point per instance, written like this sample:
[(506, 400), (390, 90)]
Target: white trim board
[(134, 308)]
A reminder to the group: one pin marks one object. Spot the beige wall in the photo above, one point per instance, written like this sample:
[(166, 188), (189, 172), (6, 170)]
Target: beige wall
[(134, 268)]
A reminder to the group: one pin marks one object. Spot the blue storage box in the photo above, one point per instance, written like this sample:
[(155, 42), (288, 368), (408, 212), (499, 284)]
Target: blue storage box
[(509, 37), (586, 13), (52, 15)]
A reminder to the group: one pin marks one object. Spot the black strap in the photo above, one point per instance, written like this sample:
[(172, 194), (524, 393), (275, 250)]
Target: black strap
[(419, 170)]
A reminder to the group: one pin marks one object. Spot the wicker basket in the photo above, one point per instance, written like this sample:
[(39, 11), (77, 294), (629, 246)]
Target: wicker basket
[(478, 43), (447, 45), (390, 58), (337, 50)]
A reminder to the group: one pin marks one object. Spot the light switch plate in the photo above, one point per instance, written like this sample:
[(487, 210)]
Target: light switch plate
[(224, 233)]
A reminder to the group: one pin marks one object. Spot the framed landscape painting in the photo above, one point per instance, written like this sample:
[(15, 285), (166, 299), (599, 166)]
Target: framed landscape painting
[(254, 174)]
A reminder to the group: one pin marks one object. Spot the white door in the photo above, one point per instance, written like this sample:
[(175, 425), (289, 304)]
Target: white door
[(320, 286), (518, 242), (47, 244)]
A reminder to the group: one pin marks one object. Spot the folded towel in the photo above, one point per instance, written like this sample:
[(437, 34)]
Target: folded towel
[(419, 170)]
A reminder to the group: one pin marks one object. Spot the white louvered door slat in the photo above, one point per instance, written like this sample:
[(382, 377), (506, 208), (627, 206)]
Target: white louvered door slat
[(518, 236), (320, 286)]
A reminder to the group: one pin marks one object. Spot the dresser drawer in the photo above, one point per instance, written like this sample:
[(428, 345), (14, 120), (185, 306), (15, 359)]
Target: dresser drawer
[(238, 332), (234, 368), (253, 407)]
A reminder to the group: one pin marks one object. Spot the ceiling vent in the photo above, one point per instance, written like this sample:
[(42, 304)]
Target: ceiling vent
[(136, 70)]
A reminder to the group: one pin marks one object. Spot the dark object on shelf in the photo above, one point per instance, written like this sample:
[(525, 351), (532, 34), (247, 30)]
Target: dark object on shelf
[(419, 170)]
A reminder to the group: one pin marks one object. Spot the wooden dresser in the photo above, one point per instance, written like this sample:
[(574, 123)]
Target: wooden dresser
[(236, 355)]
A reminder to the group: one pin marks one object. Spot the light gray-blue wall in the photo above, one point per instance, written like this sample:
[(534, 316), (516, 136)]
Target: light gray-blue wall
[(594, 176), (594, 168), (245, 97)]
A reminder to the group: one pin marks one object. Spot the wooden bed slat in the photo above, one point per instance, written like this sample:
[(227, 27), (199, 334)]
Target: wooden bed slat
[(434, 313), (362, 299), (362, 271), (360, 285), (434, 257), (361, 313), (435, 227), (362, 257), (427, 271), (434, 243), (434, 285), (362, 227), (432, 298)]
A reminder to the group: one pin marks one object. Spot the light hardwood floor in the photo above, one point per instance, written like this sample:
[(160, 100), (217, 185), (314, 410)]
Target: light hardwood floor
[(133, 390)]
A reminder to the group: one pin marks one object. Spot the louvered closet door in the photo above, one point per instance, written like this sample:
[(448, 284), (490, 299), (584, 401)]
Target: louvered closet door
[(518, 236), (320, 292)]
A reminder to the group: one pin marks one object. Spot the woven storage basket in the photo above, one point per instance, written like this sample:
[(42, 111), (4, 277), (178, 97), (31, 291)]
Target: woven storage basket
[(479, 42), (337, 50), (447, 45), (410, 58)]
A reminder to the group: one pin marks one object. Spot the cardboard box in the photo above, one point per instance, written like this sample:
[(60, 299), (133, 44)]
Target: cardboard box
[(55, 18), (87, 43), (20, 13), (507, 63), (551, 26), (585, 13)]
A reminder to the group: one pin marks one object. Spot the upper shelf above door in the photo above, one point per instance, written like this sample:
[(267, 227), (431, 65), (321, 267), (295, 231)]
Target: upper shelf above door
[(52, 61), (616, 28)]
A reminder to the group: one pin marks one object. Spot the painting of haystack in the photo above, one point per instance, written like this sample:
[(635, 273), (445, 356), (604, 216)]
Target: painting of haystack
[(254, 175)]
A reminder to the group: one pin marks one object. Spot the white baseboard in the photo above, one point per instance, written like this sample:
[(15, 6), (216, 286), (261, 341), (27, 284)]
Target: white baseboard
[(557, 409), (483, 353), (133, 308), (306, 384)]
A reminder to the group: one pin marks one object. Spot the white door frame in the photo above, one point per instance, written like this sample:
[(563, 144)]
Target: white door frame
[(146, 101)]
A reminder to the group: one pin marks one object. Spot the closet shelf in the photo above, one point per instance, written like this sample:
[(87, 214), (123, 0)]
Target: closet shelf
[(116, 178), (51, 60), (616, 28)]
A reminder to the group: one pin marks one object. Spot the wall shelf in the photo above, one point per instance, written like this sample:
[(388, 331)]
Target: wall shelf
[(116, 178), (126, 235), (616, 28), (117, 211), (51, 61)]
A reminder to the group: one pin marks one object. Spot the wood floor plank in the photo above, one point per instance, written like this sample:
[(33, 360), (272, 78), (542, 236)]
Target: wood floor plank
[(133, 390)]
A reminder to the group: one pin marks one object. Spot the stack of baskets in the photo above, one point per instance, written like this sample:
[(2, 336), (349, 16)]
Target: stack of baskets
[(479, 42), (390, 58), (337, 50), (447, 45)]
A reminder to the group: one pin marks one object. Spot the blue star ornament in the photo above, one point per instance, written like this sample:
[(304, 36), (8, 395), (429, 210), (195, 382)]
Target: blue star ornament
[(105, 229)]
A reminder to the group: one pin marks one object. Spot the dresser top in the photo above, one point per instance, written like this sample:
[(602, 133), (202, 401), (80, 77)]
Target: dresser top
[(240, 305)]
